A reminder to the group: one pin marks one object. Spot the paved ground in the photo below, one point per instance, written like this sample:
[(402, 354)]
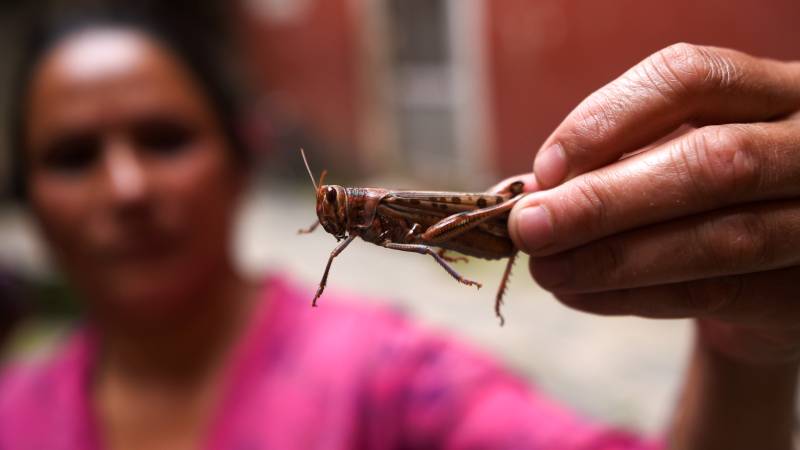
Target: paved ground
[(623, 370)]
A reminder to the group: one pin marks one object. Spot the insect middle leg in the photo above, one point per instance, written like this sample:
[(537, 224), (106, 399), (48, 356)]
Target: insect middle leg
[(425, 250), (334, 254), (412, 237)]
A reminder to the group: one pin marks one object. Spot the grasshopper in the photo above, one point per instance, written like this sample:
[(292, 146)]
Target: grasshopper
[(425, 222)]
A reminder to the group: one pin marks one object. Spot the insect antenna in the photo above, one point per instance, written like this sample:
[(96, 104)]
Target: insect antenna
[(308, 168), (322, 177)]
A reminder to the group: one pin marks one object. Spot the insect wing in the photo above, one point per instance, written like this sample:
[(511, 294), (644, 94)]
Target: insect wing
[(445, 202), (429, 207)]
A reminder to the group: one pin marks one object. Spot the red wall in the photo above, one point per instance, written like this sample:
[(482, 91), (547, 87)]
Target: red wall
[(309, 65), (547, 55)]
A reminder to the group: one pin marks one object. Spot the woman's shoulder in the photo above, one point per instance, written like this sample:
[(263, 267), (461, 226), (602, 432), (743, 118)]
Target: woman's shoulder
[(33, 382)]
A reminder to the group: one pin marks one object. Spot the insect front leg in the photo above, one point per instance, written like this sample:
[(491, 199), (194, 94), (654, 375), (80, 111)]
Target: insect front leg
[(425, 250), (334, 254), (412, 237), (310, 229)]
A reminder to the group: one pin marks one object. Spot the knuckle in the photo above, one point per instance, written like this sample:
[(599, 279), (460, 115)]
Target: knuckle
[(662, 72), (720, 162), (601, 264), (592, 202), (686, 64), (595, 116), (607, 262), (693, 67), (651, 75), (737, 241)]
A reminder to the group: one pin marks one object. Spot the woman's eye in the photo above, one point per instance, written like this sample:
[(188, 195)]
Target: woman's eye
[(72, 154), (162, 137)]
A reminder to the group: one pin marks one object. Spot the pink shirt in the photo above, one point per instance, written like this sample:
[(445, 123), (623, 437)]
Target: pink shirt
[(341, 376)]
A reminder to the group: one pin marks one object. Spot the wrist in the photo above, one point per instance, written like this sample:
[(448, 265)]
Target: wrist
[(749, 346), (732, 403), (728, 369)]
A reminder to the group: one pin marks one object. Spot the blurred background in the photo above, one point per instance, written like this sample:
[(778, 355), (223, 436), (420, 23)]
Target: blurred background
[(415, 94)]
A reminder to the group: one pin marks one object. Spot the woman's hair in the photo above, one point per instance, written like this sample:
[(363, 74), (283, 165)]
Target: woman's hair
[(189, 43)]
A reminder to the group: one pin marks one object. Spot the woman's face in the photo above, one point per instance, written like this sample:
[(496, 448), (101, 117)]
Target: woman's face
[(129, 172)]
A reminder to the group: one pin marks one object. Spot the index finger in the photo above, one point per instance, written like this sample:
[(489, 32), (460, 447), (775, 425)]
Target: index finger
[(681, 84), (707, 169)]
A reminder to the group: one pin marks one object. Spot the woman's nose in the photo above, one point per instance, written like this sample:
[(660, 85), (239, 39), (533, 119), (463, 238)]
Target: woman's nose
[(126, 177)]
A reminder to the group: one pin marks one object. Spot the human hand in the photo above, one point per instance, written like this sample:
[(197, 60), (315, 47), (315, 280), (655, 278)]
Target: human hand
[(703, 225)]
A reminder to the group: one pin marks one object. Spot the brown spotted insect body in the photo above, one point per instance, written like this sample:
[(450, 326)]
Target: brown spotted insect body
[(426, 222)]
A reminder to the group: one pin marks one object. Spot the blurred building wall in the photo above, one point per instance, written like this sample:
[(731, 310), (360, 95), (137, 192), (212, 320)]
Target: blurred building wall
[(304, 55), (547, 55), (456, 92), (389, 85), (466, 90), (9, 31)]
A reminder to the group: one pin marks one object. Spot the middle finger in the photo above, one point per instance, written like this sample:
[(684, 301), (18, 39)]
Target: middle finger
[(729, 242)]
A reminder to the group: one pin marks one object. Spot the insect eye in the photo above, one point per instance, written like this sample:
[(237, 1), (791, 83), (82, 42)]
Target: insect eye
[(330, 195)]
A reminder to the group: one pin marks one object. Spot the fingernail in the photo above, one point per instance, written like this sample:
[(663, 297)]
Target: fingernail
[(534, 228), (550, 166), (551, 272)]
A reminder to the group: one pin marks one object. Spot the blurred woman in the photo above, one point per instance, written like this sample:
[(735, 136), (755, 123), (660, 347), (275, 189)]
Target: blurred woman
[(130, 161)]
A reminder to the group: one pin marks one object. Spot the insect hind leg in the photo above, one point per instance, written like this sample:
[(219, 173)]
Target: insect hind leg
[(425, 250), (498, 302), (460, 223)]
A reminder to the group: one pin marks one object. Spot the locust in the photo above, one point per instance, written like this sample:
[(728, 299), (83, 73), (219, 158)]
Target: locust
[(425, 222)]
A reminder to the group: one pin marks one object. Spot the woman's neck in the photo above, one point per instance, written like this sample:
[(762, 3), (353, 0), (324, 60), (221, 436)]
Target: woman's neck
[(188, 347), (158, 386)]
